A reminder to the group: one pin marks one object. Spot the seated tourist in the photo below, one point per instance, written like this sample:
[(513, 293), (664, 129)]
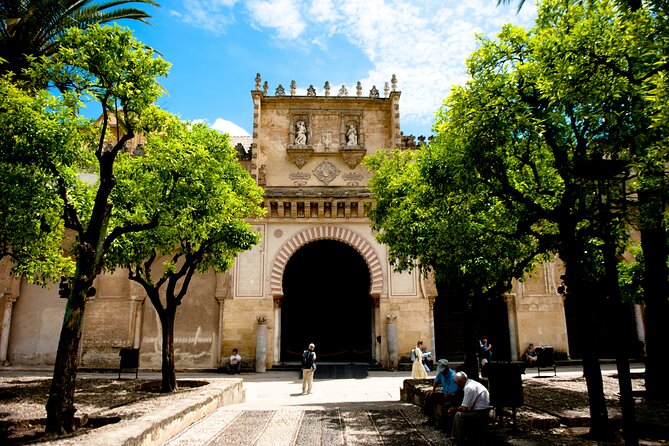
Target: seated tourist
[(234, 364), (473, 412), (444, 390), (530, 355)]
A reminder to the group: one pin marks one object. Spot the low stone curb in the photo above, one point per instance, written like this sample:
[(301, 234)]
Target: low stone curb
[(158, 427)]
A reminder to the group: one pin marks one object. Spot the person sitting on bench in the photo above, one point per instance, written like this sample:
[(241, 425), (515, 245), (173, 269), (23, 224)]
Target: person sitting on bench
[(474, 410), (444, 391), (530, 355)]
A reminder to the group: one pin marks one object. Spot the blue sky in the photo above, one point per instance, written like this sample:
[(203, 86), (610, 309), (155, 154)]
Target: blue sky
[(216, 47)]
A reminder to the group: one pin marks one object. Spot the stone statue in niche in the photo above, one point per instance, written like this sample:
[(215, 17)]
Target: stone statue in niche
[(351, 136), (301, 133)]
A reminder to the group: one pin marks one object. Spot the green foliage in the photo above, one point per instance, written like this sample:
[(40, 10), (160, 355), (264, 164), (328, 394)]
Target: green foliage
[(106, 65), (32, 28), (190, 181), (630, 276), (40, 142)]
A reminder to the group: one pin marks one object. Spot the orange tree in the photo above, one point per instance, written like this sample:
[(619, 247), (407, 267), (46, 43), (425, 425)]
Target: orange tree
[(190, 179)]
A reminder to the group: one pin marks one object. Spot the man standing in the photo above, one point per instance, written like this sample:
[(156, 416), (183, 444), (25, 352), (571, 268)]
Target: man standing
[(448, 393), (474, 410), (308, 367)]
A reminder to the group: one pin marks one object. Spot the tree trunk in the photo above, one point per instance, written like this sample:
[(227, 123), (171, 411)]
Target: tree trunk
[(169, 382), (60, 404), (619, 332), (656, 286), (471, 341), (584, 297)]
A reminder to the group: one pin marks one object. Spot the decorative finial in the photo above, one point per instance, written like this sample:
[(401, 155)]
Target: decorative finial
[(358, 89), (373, 93), (311, 91), (280, 91), (343, 91), (265, 87), (327, 88), (393, 81), (293, 86), (258, 79), (386, 90)]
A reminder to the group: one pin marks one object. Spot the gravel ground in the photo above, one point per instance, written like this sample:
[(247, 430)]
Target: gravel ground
[(22, 413)]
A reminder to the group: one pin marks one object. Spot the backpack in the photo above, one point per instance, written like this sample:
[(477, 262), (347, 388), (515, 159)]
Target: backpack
[(412, 355), (307, 359)]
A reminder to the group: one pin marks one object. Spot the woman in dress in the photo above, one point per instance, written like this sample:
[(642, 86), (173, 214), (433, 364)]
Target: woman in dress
[(417, 369)]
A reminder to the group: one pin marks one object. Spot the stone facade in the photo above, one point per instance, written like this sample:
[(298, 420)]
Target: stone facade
[(305, 152)]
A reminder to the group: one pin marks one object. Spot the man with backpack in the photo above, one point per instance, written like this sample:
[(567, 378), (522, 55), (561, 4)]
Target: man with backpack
[(308, 367)]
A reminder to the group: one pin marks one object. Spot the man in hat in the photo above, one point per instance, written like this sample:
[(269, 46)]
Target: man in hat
[(444, 391)]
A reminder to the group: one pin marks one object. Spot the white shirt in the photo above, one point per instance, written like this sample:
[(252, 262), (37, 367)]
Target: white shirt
[(476, 396)]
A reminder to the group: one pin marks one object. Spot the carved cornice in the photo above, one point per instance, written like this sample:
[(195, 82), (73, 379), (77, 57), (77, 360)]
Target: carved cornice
[(317, 192)]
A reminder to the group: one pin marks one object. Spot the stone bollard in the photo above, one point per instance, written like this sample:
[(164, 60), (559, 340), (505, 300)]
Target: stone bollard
[(391, 335), (261, 344)]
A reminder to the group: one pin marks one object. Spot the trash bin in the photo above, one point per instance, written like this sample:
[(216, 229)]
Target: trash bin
[(545, 360), (506, 386), (129, 360), (506, 383)]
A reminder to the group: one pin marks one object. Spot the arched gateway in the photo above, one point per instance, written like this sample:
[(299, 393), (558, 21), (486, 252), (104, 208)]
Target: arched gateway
[(344, 235), (326, 281)]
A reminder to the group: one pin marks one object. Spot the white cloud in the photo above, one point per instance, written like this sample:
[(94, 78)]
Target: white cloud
[(229, 127), (282, 15), (224, 126), (211, 15)]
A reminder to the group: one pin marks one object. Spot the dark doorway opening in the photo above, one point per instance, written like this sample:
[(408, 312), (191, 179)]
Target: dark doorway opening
[(490, 319), (326, 301)]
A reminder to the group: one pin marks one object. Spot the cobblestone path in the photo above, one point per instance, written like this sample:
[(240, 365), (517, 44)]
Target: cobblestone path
[(310, 427)]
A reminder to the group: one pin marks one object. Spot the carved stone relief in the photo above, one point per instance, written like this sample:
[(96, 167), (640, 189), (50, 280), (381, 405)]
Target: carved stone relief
[(326, 172), (299, 178), (352, 178), (300, 157), (326, 139), (352, 156)]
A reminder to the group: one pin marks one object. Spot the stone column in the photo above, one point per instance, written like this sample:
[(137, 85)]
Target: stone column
[(433, 337), (376, 340), (223, 291), (640, 327), (391, 334), (136, 310), (510, 301), (277, 330), (219, 341), (261, 344), (8, 304)]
